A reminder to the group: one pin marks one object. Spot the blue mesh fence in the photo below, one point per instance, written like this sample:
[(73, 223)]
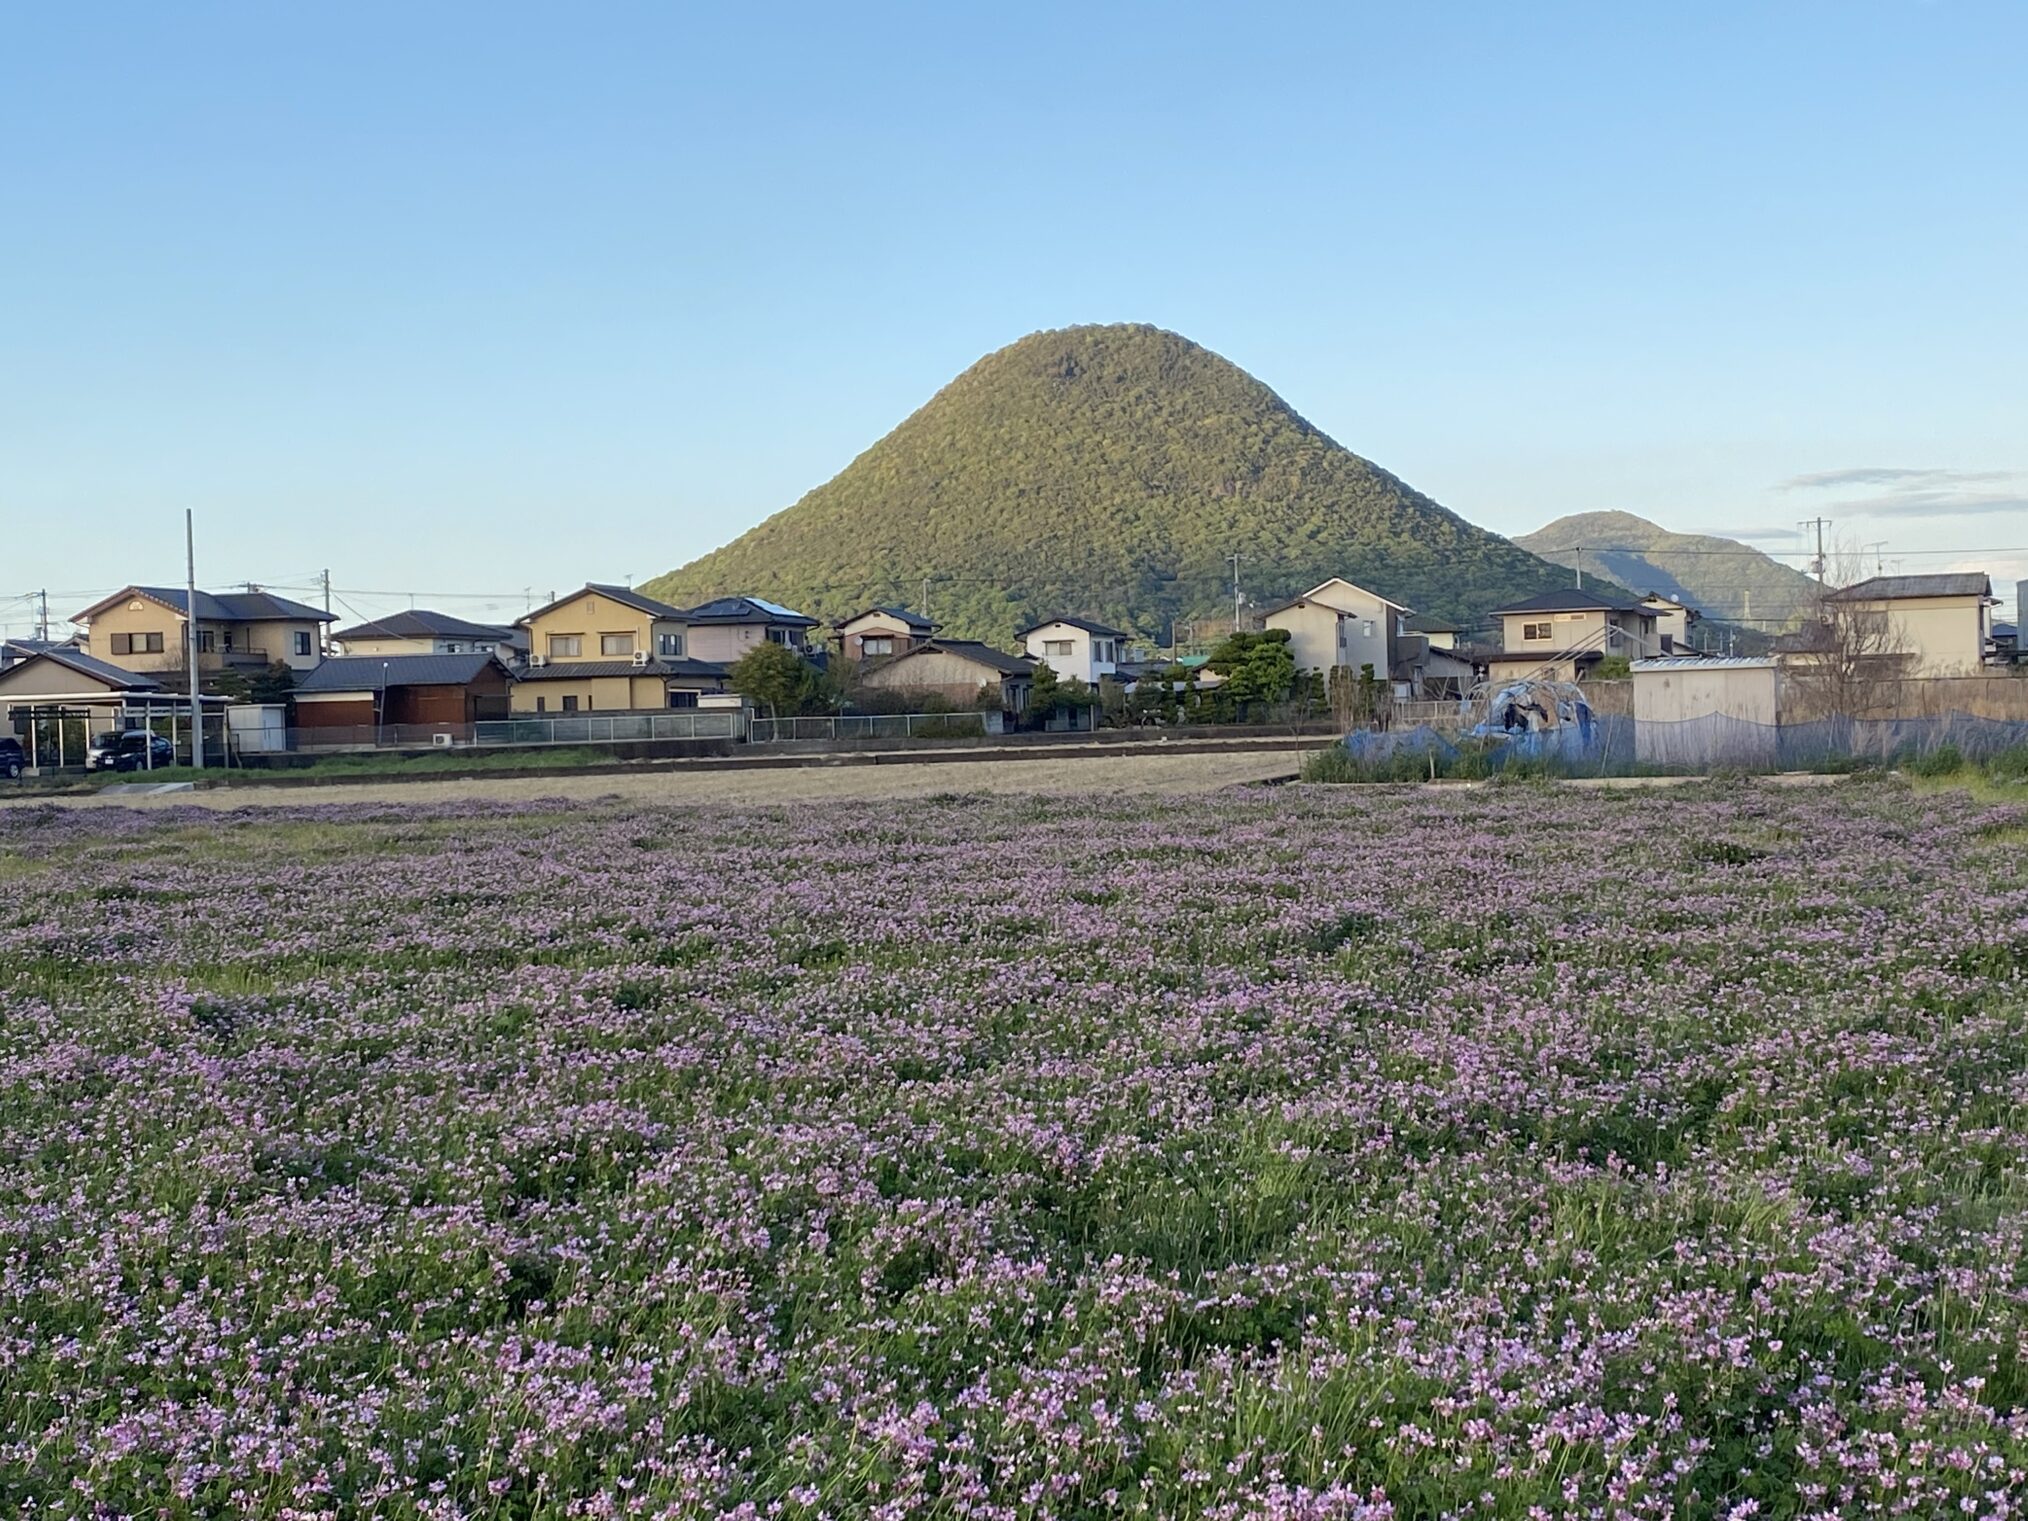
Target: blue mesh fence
[(1612, 745)]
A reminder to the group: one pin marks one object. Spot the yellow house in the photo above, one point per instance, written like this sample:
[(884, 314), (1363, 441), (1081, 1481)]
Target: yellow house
[(142, 628), (608, 649), (1561, 635), (418, 631), (1938, 624)]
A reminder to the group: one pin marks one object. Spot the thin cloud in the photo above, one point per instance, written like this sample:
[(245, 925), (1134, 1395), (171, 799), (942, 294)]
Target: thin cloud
[(1931, 504), (1751, 535), (1893, 477)]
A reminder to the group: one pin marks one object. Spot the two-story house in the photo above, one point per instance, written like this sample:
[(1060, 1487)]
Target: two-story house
[(726, 628), (419, 631), (1076, 647), (880, 632), (609, 649), (142, 628), (1673, 622), (1561, 635), (1337, 623), (1933, 625)]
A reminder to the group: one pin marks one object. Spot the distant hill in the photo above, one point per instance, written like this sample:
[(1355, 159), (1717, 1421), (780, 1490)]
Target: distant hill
[(1724, 579), (1108, 472)]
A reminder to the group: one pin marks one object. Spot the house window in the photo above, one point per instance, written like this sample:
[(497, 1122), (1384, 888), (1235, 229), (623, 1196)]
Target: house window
[(205, 640), (616, 644), (1366, 628), (682, 699), (871, 646), (1103, 652), (452, 648), (570, 705), (303, 644), (669, 646), (1056, 646), (542, 704), (565, 646), (781, 636), (137, 644), (1535, 631)]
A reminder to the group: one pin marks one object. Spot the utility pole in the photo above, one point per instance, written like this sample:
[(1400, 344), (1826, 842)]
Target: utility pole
[(1879, 546), (1236, 557), (925, 595), (42, 623), (325, 638), (1580, 567), (190, 636), (1817, 565)]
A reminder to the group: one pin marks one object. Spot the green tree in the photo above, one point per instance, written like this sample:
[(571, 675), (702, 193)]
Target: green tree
[(271, 683), (1257, 667), (775, 677)]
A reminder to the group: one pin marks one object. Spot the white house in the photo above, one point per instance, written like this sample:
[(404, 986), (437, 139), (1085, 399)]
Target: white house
[(1337, 623), (1076, 647)]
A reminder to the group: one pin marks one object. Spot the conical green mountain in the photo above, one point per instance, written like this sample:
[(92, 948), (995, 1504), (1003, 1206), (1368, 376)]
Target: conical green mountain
[(1722, 578), (1108, 472)]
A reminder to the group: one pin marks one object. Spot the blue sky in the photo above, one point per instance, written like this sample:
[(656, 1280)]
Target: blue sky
[(472, 299)]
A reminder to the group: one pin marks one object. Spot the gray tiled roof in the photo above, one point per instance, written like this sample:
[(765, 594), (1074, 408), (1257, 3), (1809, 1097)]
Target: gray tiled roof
[(234, 607), (977, 653), (421, 623), (914, 621), (367, 673), (1966, 583), (626, 596), (90, 665), (1571, 601), (1090, 626)]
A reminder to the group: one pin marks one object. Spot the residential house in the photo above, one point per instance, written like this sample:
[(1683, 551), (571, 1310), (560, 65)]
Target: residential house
[(1673, 622), (66, 683), (880, 632), (1938, 624), (1562, 635), (956, 671), (367, 693), (1425, 669), (1339, 624), (726, 628), (142, 628), (421, 632), (14, 651), (1441, 635), (609, 649), (1076, 647)]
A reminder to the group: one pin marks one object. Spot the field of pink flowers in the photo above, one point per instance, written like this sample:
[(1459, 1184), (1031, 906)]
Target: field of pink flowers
[(1312, 1153)]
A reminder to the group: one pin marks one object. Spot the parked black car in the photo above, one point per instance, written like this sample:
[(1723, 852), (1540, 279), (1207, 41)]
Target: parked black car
[(12, 761), (129, 751)]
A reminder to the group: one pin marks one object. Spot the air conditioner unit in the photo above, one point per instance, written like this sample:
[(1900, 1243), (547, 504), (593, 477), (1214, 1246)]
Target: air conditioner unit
[(640, 657), (442, 741), (538, 660)]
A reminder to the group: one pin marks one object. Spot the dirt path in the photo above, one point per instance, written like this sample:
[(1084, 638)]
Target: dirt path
[(1060, 774)]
